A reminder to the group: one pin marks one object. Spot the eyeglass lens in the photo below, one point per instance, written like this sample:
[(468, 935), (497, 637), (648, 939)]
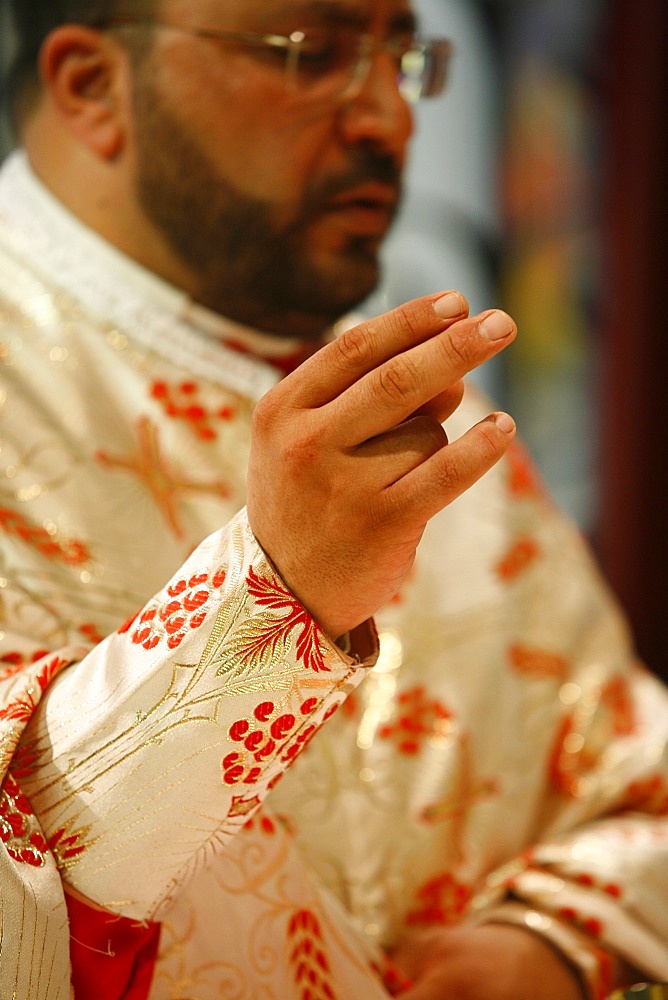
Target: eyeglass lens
[(329, 62)]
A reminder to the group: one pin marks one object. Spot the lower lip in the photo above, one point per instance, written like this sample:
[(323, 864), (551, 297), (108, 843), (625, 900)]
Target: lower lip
[(365, 220)]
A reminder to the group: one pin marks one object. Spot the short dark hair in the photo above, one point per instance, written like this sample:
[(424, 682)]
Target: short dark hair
[(32, 22)]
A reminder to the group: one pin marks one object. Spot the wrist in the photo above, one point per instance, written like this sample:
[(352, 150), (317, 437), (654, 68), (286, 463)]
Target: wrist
[(592, 967)]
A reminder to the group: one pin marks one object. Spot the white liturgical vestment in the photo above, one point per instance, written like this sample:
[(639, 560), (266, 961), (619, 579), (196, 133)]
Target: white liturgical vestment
[(206, 797)]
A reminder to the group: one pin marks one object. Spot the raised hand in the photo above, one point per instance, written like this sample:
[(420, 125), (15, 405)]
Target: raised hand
[(349, 459)]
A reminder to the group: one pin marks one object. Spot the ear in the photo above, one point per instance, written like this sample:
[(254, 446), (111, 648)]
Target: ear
[(83, 72)]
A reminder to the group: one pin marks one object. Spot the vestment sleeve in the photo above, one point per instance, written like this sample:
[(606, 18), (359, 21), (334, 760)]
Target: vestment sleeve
[(595, 883), (152, 751), (593, 878)]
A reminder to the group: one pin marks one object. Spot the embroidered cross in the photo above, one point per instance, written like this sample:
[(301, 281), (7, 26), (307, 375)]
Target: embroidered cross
[(152, 470)]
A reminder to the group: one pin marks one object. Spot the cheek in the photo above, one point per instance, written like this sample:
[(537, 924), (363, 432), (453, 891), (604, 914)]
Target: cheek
[(255, 135), (266, 154)]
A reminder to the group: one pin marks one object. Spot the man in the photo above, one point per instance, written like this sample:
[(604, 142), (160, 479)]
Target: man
[(202, 192)]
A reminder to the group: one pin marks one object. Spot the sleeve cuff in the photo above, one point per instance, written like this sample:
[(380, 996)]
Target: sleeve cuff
[(593, 966)]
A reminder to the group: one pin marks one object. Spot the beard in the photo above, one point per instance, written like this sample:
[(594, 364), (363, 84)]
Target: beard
[(250, 266)]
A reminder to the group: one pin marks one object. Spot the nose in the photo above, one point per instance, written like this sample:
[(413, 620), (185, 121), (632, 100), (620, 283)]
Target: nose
[(375, 112)]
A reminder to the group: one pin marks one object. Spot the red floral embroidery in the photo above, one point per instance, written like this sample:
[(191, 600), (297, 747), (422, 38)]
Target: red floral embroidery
[(518, 559), (576, 755), (351, 706), (442, 900), (184, 610), (24, 760), (22, 837), (537, 663), (587, 880), (312, 970), (21, 834), (571, 759), (649, 794), (66, 846), (523, 479), (22, 708), (268, 593), (418, 718), (71, 552), (183, 402), (616, 697), (90, 632), (19, 710), (393, 979), (592, 925), (19, 831), (304, 736), (263, 736), (14, 662), (264, 824), (127, 625), (235, 771)]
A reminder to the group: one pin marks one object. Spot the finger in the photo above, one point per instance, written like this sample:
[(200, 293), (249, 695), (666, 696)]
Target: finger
[(360, 350), (444, 405), (403, 449), (430, 487), (402, 385)]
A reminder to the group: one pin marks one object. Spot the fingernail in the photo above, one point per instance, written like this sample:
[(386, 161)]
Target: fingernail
[(449, 305), (497, 325), (504, 422)]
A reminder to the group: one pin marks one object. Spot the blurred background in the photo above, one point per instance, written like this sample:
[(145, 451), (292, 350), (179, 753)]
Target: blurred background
[(538, 183)]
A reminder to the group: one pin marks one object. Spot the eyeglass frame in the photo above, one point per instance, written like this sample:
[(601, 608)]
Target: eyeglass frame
[(291, 45)]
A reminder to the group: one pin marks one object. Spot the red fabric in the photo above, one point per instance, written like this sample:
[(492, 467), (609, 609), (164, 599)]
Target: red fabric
[(286, 363), (112, 957)]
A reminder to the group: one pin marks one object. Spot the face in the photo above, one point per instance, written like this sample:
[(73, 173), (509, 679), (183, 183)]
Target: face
[(277, 202)]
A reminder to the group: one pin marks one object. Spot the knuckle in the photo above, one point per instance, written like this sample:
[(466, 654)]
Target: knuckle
[(355, 345), (397, 379), (301, 450), (460, 467), (457, 350), (411, 317), (263, 417), (407, 324), (278, 429), (451, 475)]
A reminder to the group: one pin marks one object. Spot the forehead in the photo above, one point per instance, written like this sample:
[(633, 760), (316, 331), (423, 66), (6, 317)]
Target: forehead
[(363, 12)]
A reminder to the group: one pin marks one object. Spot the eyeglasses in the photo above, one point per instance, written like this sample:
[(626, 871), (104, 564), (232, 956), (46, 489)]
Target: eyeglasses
[(331, 64)]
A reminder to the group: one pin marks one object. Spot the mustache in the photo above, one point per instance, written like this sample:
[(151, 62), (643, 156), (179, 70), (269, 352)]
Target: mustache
[(367, 166)]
